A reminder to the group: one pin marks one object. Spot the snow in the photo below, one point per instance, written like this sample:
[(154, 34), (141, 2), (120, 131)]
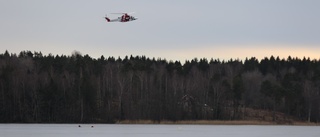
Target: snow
[(114, 130)]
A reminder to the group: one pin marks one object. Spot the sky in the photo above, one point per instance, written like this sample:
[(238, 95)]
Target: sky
[(167, 29)]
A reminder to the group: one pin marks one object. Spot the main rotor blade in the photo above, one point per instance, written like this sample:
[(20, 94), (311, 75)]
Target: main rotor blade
[(124, 13), (118, 13)]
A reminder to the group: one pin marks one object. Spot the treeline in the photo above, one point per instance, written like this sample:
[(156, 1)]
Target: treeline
[(78, 88)]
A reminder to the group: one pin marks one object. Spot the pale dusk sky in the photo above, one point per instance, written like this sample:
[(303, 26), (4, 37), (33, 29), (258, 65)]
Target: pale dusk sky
[(175, 30)]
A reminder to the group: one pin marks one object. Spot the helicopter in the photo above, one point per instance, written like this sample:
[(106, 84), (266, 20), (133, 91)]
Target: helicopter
[(124, 18)]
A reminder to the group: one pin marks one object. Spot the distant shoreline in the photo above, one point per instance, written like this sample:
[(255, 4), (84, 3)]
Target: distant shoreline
[(218, 122), (198, 122)]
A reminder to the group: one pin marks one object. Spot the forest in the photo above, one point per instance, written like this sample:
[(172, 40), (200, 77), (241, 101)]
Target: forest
[(37, 88)]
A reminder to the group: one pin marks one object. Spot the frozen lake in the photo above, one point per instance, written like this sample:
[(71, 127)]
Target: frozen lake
[(113, 130)]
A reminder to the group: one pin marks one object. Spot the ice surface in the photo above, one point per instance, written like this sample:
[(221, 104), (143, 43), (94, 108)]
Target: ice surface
[(113, 130)]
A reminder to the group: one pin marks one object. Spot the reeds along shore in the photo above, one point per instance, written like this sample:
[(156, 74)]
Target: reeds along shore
[(218, 122)]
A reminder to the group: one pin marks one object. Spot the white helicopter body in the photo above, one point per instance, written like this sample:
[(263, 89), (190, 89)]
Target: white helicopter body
[(124, 18)]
